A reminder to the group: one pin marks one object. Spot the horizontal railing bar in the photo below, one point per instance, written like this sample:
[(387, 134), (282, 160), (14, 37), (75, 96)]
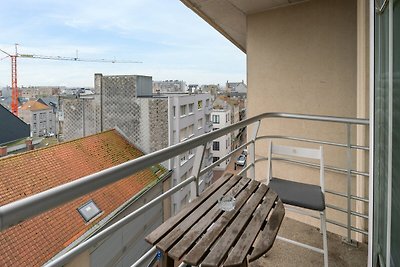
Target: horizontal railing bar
[(339, 224), (354, 229), (314, 141), (345, 211), (315, 166), (15, 212), (360, 198), (335, 193), (245, 168), (359, 231), (149, 254), (215, 164), (355, 213), (345, 195), (365, 148), (65, 258)]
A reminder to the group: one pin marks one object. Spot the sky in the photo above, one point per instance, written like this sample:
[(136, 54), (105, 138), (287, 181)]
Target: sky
[(171, 40)]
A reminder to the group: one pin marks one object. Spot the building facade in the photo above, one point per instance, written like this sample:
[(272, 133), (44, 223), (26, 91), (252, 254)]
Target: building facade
[(169, 86), (222, 145), (189, 116), (150, 121), (40, 117)]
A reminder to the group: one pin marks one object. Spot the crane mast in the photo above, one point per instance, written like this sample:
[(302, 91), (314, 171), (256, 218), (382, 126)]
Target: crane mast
[(14, 86)]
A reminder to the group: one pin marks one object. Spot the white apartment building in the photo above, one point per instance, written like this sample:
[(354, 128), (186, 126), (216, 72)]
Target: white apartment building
[(39, 116), (189, 116), (221, 146)]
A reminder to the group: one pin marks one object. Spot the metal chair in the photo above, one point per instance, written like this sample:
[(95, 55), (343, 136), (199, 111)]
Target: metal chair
[(297, 195)]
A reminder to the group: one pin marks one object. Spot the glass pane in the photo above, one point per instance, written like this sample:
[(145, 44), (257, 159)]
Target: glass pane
[(395, 231), (381, 135)]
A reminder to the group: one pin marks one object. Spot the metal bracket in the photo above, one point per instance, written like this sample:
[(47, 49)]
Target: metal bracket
[(352, 242)]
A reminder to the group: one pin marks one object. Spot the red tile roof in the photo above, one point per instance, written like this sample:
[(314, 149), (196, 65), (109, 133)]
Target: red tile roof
[(34, 105), (38, 239)]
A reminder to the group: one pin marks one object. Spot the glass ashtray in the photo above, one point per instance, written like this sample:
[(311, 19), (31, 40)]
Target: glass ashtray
[(226, 203)]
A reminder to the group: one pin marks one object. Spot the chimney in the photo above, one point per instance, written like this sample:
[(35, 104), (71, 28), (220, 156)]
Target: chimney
[(29, 145), (3, 151)]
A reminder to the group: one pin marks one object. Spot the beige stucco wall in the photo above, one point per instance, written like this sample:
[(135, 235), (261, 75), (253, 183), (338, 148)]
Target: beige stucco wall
[(303, 59)]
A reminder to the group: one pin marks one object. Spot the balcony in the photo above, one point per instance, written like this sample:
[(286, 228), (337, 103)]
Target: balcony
[(344, 219)]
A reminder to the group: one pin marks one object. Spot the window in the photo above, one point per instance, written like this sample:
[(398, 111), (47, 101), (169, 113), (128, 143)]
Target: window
[(207, 102), (183, 110), (214, 129), (226, 118), (174, 111), (215, 118), (226, 143), (216, 145), (184, 200), (182, 134), (191, 108), (191, 154), (190, 130), (200, 123), (34, 116), (200, 104), (215, 159), (89, 210), (183, 159)]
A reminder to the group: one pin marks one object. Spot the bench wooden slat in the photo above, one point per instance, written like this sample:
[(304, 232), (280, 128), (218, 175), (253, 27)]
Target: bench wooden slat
[(266, 238), (195, 255), (219, 251), (187, 241), (241, 249), (192, 217), (164, 228)]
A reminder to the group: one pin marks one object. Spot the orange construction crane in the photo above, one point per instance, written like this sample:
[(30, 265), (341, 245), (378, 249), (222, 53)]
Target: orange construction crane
[(14, 81)]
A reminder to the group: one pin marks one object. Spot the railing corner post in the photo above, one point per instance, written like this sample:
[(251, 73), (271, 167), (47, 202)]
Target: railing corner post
[(252, 151)]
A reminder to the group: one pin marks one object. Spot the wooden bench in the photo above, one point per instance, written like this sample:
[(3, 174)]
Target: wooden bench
[(203, 233)]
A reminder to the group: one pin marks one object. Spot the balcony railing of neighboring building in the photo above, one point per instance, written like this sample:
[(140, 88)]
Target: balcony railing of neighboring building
[(15, 212)]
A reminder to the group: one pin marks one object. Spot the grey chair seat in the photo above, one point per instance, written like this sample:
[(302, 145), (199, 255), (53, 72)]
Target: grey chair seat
[(298, 194)]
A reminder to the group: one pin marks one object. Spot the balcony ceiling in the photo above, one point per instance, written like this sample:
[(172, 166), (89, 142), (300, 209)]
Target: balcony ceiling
[(229, 16)]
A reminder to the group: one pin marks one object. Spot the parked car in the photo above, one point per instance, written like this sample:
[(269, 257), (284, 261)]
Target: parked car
[(241, 160), (244, 152)]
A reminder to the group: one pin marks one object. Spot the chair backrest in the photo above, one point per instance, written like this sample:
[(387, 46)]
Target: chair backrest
[(298, 152)]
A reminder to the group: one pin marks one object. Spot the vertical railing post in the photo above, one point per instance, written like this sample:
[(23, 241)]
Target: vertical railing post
[(252, 151), (349, 184), (198, 161)]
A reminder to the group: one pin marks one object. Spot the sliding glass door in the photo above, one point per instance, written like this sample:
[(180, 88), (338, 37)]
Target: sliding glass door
[(386, 224)]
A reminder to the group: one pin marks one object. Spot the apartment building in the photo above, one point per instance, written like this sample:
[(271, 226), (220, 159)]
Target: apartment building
[(39, 91), (150, 121), (222, 145), (233, 104), (39, 116), (169, 86), (189, 116)]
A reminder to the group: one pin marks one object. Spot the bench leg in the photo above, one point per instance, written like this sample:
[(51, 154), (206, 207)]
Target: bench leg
[(167, 261), (244, 263)]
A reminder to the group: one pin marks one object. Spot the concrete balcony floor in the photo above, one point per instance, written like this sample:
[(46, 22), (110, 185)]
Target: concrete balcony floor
[(285, 254)]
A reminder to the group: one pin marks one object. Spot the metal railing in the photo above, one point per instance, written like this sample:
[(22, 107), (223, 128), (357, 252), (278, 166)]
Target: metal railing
[(20, 210)]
